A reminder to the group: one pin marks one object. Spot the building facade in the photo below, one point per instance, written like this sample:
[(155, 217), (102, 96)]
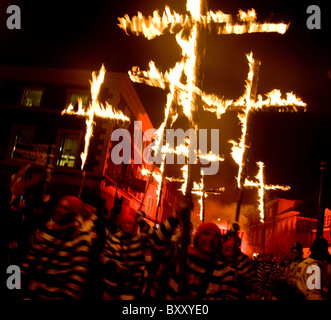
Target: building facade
[(42, 147), (284, 225)]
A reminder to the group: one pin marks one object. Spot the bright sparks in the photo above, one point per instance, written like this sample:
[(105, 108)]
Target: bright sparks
[(95, 108)]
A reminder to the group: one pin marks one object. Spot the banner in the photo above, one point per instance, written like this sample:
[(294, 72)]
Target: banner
[(37, 153)]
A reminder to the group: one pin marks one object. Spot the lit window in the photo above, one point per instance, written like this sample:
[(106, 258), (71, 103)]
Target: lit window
[(74, 96), (327, 219), (150, 205), (69, 147), (32, 97)]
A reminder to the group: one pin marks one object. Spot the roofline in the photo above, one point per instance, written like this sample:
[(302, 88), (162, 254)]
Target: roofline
[(53, 75)]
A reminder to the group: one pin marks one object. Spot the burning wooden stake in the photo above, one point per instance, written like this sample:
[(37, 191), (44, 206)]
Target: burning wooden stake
[(95, 108), (261, 193), (200, 190), (250, 102), (81, 184)]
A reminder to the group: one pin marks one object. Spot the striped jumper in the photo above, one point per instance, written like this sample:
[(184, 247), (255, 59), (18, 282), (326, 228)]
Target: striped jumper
[(205, 279), (266, 274), (246, 274), (124, 263), (56, 265)]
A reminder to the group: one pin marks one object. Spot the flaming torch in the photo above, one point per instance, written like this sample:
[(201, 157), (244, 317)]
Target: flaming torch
[(95, 108)]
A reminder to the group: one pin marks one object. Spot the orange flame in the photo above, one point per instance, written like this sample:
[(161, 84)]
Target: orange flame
[(198, 189), (156, 25), (185, 176), (181, 79), (291, 103), (179, 93), (95, 108), (238, 149)]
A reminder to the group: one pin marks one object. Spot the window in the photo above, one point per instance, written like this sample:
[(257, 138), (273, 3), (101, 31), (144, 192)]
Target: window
[(73, 97), (260, 237), (327, 219), (20, 135), (68, 148), (32, 97), (23, 134), (150, 205)]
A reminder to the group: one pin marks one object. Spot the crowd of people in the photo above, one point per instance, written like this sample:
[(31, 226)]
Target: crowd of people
[(78, 255)]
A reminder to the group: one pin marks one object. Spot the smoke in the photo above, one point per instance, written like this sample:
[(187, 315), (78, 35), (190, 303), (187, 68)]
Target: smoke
[(224, 215)]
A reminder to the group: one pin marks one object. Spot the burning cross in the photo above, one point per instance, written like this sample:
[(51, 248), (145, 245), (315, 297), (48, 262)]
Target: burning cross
[(262, 187), (95, 108), (200, 190), (185, 92), (182, 81), (249, 103)]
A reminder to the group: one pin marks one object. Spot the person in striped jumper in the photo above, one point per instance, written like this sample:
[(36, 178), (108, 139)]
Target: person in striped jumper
[(56, 265), (243, 266), (266, 274), (206, 277), (124, 258)]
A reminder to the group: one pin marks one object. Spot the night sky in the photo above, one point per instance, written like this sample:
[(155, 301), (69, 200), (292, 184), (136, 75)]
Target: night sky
[(84, 34)]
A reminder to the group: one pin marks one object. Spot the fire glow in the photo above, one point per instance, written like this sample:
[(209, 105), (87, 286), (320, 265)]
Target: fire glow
[(95, 108), (249, 104), (262, 187), (184, 93), (200, 190)]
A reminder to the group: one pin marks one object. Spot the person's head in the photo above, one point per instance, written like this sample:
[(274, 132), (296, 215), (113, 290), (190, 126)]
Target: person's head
[(296, 251), (231, 247), (67, 210), (207, 239), (319, 249), (127, 223), (71, 211), (268, 256)]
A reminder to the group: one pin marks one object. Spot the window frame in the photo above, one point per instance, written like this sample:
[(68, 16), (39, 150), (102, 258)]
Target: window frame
[(59, 139), (12, 141), (77, 92), (36, 88)]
